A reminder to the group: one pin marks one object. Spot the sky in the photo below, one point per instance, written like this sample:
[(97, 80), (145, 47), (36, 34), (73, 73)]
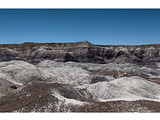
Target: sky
[(98, 26)]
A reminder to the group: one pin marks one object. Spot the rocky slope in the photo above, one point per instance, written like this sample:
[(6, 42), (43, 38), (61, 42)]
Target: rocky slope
[(52, 86), (81, 52), (79, 77), (55, 97)]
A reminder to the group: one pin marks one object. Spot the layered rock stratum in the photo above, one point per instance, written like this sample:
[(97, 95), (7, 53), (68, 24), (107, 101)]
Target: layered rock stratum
[(79, 77), (81, 52)]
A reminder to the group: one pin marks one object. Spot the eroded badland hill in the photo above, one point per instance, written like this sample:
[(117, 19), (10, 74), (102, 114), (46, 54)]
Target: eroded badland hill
[(79, 77)]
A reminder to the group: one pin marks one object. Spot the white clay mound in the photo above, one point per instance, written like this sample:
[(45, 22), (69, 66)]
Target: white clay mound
[(21, 72), (129, 89), (70, 75)]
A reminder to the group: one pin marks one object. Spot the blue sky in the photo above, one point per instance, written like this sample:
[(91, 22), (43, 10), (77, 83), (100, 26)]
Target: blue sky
[(103, 26)]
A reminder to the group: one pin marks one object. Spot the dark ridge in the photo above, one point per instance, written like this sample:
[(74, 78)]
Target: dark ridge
[(83, 51)]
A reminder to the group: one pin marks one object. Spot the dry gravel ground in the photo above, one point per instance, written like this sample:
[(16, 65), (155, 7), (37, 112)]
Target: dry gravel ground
[(39, 97), (5, 87), (120, 106), (52, 86)]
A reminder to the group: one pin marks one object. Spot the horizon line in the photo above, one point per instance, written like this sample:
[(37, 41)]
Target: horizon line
[(79, 42)]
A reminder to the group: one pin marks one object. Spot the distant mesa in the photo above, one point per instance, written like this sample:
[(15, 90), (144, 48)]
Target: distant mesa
[(84, 52)]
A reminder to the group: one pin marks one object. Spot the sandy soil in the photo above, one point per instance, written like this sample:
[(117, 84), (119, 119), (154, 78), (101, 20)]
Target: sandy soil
[(5, 87)]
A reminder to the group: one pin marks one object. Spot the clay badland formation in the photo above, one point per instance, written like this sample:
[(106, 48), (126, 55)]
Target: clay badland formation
[(79, 77)]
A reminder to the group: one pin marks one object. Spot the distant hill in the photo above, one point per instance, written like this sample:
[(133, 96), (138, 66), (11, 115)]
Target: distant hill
[(85, 52)]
